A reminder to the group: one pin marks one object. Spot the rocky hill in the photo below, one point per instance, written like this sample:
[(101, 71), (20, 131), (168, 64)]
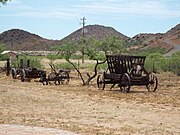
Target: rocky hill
[(96, 32), (16, 39), (173, 34), (169, 40)]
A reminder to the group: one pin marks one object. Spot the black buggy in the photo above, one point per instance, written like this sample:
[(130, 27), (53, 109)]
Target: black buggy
[(127, 71)]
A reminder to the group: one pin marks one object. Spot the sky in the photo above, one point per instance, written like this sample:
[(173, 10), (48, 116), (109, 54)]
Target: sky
[(56, 19)]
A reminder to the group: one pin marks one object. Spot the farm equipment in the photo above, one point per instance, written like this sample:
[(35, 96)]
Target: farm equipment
[(27, 72), (58, 77), (31, 73), (16, 70), (127, 71)]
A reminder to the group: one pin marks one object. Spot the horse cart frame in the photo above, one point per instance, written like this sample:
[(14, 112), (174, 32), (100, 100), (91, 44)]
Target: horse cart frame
[(60, 76)]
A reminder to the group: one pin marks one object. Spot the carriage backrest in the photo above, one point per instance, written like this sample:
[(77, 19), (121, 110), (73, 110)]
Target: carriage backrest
[(120, 64)]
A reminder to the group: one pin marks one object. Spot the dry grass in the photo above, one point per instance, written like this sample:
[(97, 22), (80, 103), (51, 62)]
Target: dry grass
[(87, 110)]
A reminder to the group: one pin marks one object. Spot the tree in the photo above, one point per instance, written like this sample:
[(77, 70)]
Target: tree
[(81, 42), (70, 48), (92, 51), (91, 48), (112, 44), (67, 50), (3, 1)]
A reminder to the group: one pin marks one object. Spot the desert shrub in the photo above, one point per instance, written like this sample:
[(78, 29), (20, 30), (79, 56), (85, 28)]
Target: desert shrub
[(159, 63), (155, 62), (65, 65), (149, 51), (35, 63), (174, 63), (100, 56), (59, 56), (77, 57), (89, 66), (54, 56), (3, 57), (177, 54), (102, 66)]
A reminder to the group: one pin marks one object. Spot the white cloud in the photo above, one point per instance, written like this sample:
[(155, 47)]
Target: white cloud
[(156, 8), (19, 9), (142, 7)]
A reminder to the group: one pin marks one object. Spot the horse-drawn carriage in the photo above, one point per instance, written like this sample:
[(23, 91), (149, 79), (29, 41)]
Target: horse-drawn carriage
[(127, 71)]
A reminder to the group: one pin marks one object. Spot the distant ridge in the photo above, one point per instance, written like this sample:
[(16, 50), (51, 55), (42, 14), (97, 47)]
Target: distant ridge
[(20, 40)]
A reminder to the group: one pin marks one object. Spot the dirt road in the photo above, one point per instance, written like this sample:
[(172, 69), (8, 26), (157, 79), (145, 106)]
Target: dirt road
[(86, 110)]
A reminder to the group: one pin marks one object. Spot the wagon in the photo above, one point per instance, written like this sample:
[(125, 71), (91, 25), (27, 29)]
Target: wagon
[(27, 72), (60, 76), (17, 67), (127, 71), (31, 73)]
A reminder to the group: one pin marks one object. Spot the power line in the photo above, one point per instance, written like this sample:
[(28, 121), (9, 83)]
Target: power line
[(83, 26), (83, 36)]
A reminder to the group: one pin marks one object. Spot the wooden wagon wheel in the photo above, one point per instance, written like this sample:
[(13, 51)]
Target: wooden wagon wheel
[(101, 82), (22, 74), (65, 77), (125, 83), (52, 77), (13, 72), (153, 82)]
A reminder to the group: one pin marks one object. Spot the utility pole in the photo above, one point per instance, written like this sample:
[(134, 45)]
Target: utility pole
[(83, 35)]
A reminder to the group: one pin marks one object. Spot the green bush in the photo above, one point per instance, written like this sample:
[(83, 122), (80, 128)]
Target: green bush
[(159, 63), (58, 56), (35, 63), (65, 65), (149, 51), (154, 62), (174, 63), (3, 57), (89, 66), (101, 56), (54, 56), (102, 66), (76, 57)]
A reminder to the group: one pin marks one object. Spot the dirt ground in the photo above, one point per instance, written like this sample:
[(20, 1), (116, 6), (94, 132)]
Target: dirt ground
[(87, 110)]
